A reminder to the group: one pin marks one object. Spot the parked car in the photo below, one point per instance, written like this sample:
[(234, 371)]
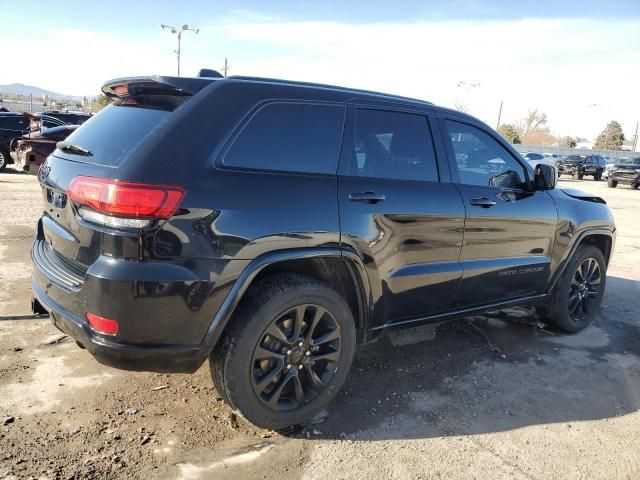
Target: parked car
[(55, 118), (271, 226), (12, 125), (29, 152), (625, 171), (580, 165), (607, 170)]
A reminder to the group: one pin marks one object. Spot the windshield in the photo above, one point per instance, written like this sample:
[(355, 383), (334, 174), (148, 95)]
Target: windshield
[(575, 158), (629, 161)]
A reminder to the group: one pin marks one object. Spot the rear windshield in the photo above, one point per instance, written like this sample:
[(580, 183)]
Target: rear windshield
[(113, 133)]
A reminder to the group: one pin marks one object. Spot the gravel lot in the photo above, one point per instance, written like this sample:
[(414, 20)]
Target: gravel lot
[(475, 398)]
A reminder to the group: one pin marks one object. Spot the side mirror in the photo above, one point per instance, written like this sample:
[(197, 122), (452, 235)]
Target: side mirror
[(508, 179), (545, 177)]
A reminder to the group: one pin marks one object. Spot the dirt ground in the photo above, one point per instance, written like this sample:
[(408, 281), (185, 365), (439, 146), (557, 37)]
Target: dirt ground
[(474, 398)]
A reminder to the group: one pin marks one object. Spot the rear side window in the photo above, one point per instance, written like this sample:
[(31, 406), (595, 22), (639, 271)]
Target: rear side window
[(393, 145), (113, 133), (290, 137)]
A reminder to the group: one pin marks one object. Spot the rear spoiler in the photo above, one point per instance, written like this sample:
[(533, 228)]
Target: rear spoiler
[(155, 85)]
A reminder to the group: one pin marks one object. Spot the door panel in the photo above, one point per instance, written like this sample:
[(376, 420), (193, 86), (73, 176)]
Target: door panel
[(408, 232), (509, 230), (507, 247), (410, 243)]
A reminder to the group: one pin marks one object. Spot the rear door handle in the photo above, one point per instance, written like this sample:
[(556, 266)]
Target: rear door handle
[(482, 202), (366, 197)]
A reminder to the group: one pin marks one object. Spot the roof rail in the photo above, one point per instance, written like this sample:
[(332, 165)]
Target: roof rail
[(388, 96)]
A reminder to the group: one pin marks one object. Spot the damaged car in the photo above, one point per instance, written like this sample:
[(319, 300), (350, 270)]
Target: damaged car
[(28, 153)]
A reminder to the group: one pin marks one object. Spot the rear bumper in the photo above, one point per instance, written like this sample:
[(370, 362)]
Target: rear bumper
[(164, 309), (165, 358)]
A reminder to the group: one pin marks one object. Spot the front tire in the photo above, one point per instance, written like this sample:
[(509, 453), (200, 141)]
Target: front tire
[(577, 295), (287, 351), (612, 183)]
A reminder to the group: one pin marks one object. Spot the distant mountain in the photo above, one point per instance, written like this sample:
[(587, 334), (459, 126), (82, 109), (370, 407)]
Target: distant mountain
[(26, 90)]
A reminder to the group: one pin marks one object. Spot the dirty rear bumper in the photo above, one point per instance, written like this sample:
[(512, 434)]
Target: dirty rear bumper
[(165, 358)]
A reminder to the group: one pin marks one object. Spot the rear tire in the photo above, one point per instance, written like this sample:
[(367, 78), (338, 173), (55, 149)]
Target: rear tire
[(612, 183), (577, 295), (4, 158), (262, 371)]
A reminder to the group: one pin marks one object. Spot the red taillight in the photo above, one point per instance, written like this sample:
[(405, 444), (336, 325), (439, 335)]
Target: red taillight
[(125, 199), (103, 325)]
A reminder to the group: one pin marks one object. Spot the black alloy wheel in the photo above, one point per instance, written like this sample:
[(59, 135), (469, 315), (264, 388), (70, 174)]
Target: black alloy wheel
[(576, 296), (287, 351), (585, 289), (296, 357)]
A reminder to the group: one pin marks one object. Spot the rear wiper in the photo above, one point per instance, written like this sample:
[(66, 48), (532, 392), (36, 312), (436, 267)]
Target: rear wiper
[(70, 147)]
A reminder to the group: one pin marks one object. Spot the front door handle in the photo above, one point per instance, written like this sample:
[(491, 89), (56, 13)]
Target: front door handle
[(482, 202), (366, 197)]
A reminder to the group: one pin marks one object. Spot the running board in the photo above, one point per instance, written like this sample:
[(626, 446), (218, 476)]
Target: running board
[(532, 300)]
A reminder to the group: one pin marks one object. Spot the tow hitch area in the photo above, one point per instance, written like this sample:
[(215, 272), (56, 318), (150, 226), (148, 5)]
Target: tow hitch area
[(37, 308)]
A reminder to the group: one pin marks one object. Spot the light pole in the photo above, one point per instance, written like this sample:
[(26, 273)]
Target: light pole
[(178, 32)]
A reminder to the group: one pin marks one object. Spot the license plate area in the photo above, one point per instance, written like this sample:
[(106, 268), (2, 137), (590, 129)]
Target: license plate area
[(56, 199)]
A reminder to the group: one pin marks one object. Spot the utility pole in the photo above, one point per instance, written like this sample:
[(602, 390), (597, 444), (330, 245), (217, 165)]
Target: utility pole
[(635, 139), (225, 69), (179, 32), (499, 115)]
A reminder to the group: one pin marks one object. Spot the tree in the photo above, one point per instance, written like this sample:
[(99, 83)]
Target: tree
[(611, 137), (99, 103), (509, 133), (530, 125), (461, 107), (542, 137), (567, 142)]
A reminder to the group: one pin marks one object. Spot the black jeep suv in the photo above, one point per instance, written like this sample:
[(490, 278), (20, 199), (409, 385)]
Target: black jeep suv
[(580, 165), (270, 226), (625, 171)]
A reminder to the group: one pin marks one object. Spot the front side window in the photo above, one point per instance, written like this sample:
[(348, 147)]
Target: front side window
[(393, 145), (481, 160), (290, 137)]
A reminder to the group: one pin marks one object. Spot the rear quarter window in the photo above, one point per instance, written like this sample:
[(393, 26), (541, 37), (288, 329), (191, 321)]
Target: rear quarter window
[(289, 137)]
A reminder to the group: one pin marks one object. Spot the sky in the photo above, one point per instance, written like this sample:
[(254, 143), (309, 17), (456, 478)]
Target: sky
[(577, 61)]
